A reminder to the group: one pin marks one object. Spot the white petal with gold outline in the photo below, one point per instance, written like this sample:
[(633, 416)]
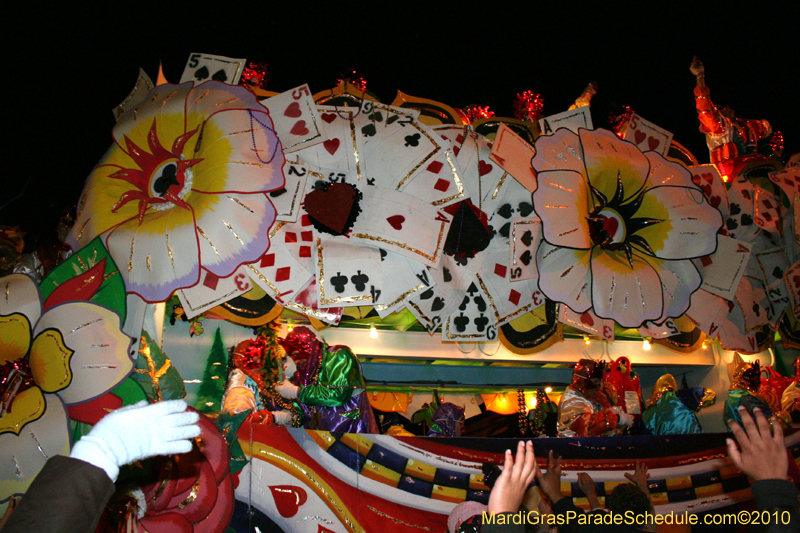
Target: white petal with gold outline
[(20, 294), (165, 104), (667, 173), (679, 279), (628, 295), (562, 202), (100, 360), (158, 256), (561, 151), (608, 157), (689, 227), (564, 276), (23, 456), (233, 229)]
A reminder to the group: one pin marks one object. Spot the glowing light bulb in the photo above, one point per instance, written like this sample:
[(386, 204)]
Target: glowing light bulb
[(289, 328), (646, 344), (704, 346), (373, 332), (586, 340), (548, 390)]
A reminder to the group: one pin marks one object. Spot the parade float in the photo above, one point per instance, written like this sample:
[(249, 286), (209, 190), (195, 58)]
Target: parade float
[(440, 256)]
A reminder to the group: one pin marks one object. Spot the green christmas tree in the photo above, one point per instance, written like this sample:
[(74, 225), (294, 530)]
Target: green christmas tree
[(214, 376)]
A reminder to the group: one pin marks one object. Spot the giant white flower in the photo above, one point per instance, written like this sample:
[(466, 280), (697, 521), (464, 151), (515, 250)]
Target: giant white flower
[(182, 187), (72, 353), (619, 227)]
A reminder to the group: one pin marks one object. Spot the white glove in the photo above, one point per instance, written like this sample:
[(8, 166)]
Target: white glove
[(137, 432), (625, 419), (287, 390), (282, 418)]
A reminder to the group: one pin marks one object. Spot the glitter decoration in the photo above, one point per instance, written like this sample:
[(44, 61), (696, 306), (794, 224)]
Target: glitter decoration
[(528, 106)]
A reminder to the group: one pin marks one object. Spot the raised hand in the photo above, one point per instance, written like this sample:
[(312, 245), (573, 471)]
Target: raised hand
[(517, 475), (761, 454)]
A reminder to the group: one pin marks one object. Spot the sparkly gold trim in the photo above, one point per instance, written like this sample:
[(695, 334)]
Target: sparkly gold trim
[(202, 96), (400, 298), (234, 233), (169, 251), (228, 102), (276, 228), (241, 204), (130, 259), (222, 298), (433, 258), (427, 157), (269, 284), (300, 308), (456, 179), (83, 228), (537, 221), (355, 144), (294, 200), (301, 471), (192, 495), (168, 470), (203, 233), (396, 520), (167, 99), (499, 185), (321, 283), (421, 314), (508, 317), (259, 165)]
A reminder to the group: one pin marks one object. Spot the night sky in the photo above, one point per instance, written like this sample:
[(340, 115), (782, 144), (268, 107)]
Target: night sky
[(65, 69)]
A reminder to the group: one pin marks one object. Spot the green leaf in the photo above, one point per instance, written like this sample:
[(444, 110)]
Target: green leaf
[(130, 391), (229, 425), (110, 291), (155, 374)]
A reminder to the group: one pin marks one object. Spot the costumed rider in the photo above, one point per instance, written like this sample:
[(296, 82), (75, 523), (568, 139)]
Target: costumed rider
[(328, 385), (669, 411), (257, 368), (585, 410), (790, 399), (727, 136), (743, 391)]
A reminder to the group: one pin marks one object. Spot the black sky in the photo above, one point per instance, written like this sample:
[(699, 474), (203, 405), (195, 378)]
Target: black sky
[(65, 69)]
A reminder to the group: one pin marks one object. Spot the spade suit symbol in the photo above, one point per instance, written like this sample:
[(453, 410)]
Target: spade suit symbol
[(201, 73)]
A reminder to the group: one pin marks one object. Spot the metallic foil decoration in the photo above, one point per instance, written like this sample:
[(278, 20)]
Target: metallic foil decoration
[(255, 75), (302, 343), (747, 376), (354, 78), (528, 106), (476, 112)]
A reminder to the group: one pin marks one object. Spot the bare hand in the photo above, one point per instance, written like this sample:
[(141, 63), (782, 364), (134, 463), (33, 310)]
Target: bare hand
[(586, 484), (550, 481), (639, 477), (697, 67), (760, 455), (510, 487), (12, 504)]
